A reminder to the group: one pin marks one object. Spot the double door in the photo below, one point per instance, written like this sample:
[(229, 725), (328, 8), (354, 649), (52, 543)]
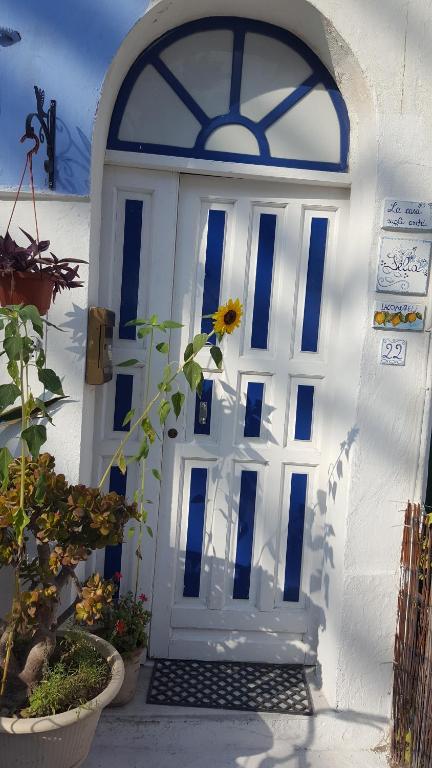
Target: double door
[(238, 525)]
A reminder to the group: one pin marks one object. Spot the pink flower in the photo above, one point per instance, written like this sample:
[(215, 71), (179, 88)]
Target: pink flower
[(143, 597), (117, 576)]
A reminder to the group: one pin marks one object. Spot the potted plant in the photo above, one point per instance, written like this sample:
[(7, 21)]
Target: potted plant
[(48, 527), (124, 625), (28, 277)]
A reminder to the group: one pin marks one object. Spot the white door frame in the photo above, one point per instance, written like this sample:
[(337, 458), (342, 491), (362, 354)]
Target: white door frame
[(208, 168)]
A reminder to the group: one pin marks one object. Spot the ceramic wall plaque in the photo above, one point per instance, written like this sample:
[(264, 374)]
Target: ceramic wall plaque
[(389, 316), (407, 215), (393, 351), (403, 266)]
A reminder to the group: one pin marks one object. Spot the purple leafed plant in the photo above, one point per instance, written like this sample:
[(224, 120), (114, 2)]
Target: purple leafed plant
[(18, 258)]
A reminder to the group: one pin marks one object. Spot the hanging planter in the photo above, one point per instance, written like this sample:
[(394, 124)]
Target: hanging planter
[(27, 288), (28, 275)]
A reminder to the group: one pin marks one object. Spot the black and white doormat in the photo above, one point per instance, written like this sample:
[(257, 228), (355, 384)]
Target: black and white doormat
[(231, 685)]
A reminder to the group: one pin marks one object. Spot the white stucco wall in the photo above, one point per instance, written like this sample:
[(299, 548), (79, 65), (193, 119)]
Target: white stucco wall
[(379, 53)]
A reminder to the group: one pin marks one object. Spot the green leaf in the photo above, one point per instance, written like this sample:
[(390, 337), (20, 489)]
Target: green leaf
[(188, 352), (30, 312), (156, 474), (5, 459), (127, 363), (149, 531), (199, 342), (143, 450), (131, 533), (50, 380), (217, 356), (149, 429), (171, 324), (14, 414), (153, 320), (12, 368), (144, 332), (8, 395), (162, 347), (28, 347), (121, 463), (193, 374), (168, 374), (199, 388), (35, 436), (137, 321), (13, 347), (40, 360), (40, 489), (128, 417), (164, 409), (177, 400), (20, 520)]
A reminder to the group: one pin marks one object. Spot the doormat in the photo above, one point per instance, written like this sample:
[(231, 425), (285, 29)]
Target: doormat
[(249, 687)]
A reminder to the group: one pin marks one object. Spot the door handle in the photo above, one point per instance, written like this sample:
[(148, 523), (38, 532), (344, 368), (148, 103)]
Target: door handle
[(202, 414)]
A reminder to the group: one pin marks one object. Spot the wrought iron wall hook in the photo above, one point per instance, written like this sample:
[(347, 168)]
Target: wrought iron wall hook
[(47, 131)]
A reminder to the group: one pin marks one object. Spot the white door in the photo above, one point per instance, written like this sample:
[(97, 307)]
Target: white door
[(239, 536)]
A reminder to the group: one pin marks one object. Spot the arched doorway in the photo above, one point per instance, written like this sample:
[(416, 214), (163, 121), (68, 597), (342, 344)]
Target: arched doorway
[(237, 534)]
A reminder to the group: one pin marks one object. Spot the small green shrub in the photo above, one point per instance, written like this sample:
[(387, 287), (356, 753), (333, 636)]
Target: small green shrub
[(78, 674)]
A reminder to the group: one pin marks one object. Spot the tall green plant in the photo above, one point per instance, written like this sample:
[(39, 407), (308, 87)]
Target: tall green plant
[(22, 345), (62, 523), (168, 396)]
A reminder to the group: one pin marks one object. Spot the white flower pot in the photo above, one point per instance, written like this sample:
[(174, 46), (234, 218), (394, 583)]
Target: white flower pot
[(132, 662), (63, 740)]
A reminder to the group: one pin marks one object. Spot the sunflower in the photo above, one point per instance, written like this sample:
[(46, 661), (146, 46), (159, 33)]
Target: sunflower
[(227, 317)]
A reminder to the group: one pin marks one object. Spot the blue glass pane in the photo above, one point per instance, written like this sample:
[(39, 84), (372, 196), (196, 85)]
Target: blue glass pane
[(131, 266), (314, 282), (303, 424), (113, 554), (194, 543), (123, 401), (203, 408), (245, 532), (263, 281), (254, 402), (294, 550), (213, 266)]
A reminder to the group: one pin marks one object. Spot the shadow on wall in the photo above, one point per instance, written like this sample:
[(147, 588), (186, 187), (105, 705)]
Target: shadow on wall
[(73, 153)]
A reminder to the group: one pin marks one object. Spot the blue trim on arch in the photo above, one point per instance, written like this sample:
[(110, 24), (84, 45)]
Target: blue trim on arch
[(237, 70), (290, 101), (180, 90), (239, 27), (231, 119)]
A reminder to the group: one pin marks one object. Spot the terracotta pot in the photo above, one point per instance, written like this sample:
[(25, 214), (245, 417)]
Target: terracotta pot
[(131, 663), (64, 740), (27, 288)]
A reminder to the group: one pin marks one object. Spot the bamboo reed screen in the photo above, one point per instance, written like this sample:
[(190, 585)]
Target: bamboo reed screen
[(412, 690)]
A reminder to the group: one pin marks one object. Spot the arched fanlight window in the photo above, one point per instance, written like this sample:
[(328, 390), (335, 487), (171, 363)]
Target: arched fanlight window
[(232, 89)]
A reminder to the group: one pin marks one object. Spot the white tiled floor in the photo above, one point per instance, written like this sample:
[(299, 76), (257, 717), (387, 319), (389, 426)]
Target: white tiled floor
[(149, 736)]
